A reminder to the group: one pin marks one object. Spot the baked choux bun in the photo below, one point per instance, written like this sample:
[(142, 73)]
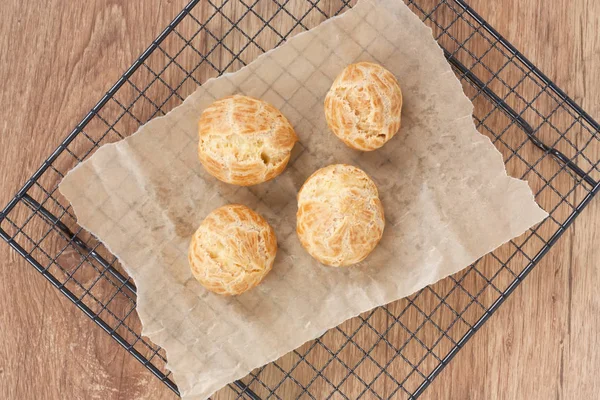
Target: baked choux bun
[(232, 250), (340, 217), (363, 106), (244, 141)]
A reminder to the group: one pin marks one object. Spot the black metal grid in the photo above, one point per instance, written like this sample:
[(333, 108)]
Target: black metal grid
[(390, 352)]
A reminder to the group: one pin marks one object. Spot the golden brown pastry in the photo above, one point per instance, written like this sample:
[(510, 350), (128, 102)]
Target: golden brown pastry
[(232, 250), (244, 141), (363, 106), (340, 217)]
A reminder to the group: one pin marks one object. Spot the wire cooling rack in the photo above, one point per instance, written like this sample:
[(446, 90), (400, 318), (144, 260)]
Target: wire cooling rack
[(391, 352)]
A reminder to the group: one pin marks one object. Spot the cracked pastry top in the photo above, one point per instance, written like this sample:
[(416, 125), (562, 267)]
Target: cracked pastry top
[(244, 141), (233, 250), (363, 106), (340, 217)]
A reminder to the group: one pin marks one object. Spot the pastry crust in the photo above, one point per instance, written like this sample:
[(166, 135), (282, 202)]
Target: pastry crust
[(363, 106), (244, 141), (233, 250), (340, 217)]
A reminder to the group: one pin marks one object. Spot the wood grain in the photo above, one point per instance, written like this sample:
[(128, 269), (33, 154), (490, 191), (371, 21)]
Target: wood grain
[(59, 57)]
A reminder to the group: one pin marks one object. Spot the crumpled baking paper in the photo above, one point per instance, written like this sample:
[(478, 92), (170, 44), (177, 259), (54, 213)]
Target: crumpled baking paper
[(447, 198)]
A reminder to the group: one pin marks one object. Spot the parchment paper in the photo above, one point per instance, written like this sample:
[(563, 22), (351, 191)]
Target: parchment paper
[(447, 199)]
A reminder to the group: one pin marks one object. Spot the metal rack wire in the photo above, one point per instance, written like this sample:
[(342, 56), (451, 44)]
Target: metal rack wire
[(391, 352)]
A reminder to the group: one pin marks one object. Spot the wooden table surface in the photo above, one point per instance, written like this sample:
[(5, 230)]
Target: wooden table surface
[(58, 57)]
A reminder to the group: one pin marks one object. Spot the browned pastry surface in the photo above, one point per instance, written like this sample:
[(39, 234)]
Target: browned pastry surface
[(340, 217), (244, 141), (232, 250), (363, 106)]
